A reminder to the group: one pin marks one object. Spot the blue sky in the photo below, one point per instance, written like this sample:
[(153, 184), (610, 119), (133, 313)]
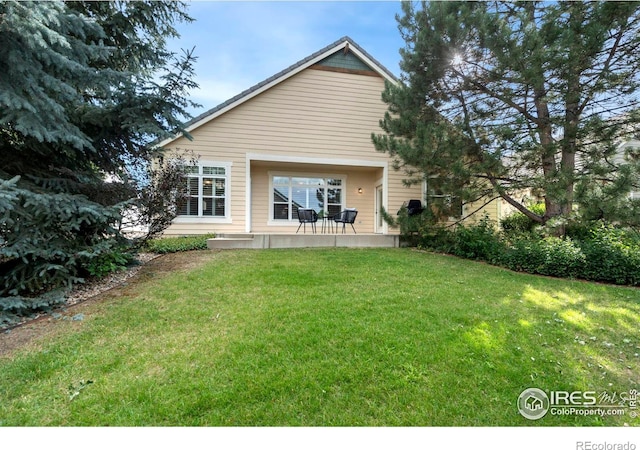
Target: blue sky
[(240, 43)]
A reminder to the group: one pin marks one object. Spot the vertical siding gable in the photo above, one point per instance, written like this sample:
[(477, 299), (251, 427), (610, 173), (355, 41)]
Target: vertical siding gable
[(345, 60)]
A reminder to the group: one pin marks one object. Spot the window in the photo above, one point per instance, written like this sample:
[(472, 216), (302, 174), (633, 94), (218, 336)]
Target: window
[(447, 205), (207, 192), (319, 193)]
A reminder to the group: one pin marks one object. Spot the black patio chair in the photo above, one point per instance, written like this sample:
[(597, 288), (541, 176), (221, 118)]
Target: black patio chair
[(347, 216), (305, 216)]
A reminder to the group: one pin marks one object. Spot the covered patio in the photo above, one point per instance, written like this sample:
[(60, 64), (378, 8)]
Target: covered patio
[(278, 188)]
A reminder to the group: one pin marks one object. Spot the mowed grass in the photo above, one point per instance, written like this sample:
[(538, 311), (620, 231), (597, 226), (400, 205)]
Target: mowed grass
[(329, 337)]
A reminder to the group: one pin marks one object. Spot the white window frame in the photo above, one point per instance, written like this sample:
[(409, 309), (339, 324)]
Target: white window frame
[(227, 197), (449, 199), (427, 200), (294, 220)]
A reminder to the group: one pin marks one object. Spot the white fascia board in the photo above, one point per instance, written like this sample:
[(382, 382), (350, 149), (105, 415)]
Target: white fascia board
[(370, 63)]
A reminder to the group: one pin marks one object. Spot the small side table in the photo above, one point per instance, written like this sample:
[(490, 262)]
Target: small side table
[(327, 224)]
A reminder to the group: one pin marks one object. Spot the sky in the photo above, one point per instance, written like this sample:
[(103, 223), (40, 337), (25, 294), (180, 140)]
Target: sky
[(241, 43)]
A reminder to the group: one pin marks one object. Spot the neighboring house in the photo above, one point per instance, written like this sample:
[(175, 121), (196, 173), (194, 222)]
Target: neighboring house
[(301, 138), (633, 144)]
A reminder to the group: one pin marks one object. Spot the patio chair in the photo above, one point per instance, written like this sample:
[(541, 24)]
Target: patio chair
[(305, 216), (414, 207), (347, 216)]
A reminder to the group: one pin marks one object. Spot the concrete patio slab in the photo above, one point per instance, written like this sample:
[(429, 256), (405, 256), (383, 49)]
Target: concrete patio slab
[(258, 241)]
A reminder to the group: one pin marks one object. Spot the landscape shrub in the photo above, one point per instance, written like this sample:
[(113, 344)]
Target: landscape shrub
[(579, 230), (598, 252), (112, 261), (178, 244), (612, 255), (412, 228), (564, 257), (16, 308), (479, 241), (437, 238), (553, 256), (524, 255), (518, 223)]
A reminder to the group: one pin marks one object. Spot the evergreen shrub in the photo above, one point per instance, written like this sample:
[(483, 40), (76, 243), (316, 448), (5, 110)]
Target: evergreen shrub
[(15, 308)]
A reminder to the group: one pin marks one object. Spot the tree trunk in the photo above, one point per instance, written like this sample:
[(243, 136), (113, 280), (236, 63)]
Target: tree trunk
[(577, 62), (544, 130)]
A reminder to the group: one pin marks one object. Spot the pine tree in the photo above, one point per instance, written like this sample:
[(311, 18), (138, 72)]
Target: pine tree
[(500, 98), (85, 90)]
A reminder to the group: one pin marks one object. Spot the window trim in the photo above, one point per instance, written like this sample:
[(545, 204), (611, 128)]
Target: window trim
[(450, 198), (227, 218), (294, 220)]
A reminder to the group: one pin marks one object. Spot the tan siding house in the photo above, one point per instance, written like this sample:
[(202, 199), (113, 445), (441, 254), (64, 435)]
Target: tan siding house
[(621, 158), (300, 139)]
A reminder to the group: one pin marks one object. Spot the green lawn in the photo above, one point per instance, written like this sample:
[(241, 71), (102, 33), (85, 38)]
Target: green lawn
[(330, 337)]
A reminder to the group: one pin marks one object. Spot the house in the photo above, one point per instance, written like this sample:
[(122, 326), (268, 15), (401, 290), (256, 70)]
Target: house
[(301, 138), (623, 158)]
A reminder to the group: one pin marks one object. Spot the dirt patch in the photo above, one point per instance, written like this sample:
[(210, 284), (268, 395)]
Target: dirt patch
[(85, 298)]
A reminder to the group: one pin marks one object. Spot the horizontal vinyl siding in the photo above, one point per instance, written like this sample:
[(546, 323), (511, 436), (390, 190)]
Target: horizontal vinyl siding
[(491, 210), (187, 229), (399, 194), (365, 202), (314, 114), (260, 201)]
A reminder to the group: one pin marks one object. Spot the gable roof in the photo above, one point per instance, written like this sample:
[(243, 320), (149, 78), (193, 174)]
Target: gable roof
[(364, 60)]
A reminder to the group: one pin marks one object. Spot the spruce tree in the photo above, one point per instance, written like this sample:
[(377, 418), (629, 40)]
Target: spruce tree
[(86, 88), (503, 99)]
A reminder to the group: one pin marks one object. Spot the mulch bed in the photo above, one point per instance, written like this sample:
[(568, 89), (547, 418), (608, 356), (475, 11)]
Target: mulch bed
[(17, 334)]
